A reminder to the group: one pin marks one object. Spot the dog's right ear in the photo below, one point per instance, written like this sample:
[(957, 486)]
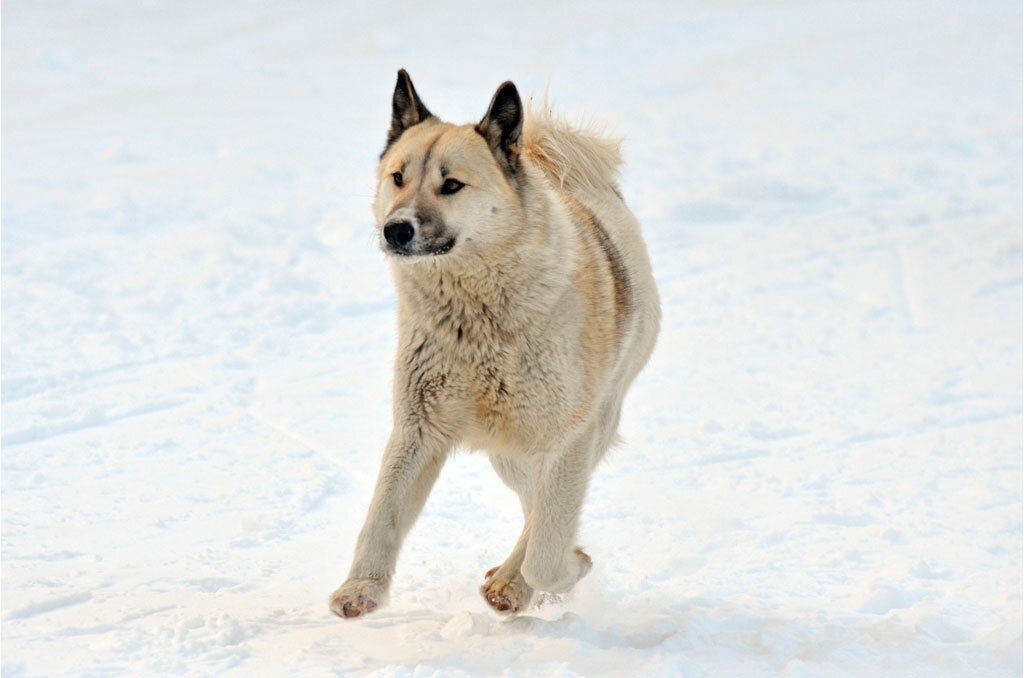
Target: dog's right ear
[(406, 108)]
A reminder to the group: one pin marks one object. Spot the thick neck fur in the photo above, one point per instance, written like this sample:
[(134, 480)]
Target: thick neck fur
[(500, 294)]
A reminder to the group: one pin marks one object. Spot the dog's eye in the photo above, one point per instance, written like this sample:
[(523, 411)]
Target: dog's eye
[(451, 186), (397, 176)]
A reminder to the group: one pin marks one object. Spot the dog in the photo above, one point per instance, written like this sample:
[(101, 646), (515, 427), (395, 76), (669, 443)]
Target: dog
[(526, 308)]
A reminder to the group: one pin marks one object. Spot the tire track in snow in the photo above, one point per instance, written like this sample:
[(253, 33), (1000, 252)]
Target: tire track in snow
[(91, 420), (51, 605)]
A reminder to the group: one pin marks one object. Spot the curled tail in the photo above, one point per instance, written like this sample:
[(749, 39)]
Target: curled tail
[(574, 158)]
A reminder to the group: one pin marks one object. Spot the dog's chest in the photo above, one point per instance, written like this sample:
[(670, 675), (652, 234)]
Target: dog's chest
[(494, 392), (504, 370), (511, 393), (498, 416)]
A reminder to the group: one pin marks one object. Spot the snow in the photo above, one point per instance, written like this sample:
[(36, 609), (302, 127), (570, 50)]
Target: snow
[(822, 468)]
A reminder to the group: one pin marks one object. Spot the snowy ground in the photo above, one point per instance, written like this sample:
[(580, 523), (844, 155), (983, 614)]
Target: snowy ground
[(822, 474)]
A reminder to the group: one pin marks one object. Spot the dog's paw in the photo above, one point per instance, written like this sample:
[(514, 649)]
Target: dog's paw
[(356, 598), (506, 595), (557, 576)]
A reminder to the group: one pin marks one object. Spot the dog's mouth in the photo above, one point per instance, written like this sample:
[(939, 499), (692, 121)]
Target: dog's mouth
[(444, 247), (426, 250)]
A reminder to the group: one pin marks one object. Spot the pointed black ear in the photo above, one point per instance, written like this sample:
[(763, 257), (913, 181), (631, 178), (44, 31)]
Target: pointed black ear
[(502, 127), (406, 108)]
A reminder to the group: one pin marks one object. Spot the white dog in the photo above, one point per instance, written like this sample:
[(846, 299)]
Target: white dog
[(526, 307)]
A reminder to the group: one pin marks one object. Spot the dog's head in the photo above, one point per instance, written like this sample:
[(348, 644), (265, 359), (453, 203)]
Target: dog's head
[(446, 191)]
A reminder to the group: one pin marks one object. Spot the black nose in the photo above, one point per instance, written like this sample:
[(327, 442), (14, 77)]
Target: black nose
[(399, 233)]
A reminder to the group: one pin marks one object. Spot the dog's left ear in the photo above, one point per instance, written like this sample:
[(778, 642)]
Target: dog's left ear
[(502, 127), (406, 108)]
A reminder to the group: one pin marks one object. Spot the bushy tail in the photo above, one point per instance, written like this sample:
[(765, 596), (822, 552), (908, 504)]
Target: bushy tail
[(574, 158)]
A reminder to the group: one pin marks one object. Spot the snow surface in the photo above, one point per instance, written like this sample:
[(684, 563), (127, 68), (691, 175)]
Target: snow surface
[(822, 473)]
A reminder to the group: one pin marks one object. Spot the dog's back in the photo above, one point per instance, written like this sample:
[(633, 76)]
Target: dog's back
[(582, 166)]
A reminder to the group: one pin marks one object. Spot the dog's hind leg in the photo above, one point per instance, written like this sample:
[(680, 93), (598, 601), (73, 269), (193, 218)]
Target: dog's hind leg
[(505, 589), (551, 561)]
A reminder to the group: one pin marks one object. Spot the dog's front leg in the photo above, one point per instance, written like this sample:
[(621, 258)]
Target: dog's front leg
[(411, 464)]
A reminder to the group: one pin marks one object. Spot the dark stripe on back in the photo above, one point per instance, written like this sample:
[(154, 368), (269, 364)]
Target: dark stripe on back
[(620, 275)]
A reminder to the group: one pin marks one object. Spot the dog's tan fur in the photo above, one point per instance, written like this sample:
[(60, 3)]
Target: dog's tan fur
[(526, 309)]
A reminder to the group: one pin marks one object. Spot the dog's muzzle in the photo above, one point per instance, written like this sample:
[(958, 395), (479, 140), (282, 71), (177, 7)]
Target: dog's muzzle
[(401, 237)]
